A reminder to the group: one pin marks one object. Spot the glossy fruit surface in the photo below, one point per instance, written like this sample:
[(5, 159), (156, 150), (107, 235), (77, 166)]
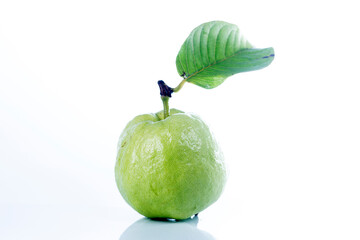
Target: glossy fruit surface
[(169, 168)]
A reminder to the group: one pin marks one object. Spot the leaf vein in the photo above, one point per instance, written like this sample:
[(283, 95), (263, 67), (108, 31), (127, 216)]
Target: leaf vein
[(211, 65), (208, 40)]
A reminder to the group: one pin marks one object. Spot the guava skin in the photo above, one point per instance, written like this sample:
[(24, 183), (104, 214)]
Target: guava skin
[(169, 168)]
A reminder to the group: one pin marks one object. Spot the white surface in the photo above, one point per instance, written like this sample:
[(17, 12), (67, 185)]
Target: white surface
[(73, 73)]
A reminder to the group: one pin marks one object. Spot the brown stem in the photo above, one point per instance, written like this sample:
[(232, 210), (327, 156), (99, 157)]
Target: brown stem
[(165, 90)]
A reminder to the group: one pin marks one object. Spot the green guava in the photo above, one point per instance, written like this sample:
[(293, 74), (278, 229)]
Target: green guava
[(169, 168)]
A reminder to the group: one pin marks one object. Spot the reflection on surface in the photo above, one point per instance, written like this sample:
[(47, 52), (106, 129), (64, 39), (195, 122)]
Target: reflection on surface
[(152, 229)]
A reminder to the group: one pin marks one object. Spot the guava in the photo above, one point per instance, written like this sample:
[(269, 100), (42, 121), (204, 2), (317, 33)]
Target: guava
[(169, 167), (169, 164)]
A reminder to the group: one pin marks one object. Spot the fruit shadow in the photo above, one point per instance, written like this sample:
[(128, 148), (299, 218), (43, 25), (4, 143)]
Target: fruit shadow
[(162, 228)]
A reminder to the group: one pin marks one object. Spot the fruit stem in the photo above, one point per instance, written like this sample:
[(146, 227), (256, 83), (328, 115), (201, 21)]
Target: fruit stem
[(165, 92), (165, 101)]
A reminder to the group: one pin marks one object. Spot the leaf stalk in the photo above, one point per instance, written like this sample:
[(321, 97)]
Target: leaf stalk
[(179, 86)]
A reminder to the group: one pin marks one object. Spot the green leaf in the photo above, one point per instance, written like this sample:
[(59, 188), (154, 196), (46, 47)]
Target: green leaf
[(216, 50)]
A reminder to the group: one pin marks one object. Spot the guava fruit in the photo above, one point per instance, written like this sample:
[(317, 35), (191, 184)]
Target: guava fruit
[(169, 167), (168, 164)]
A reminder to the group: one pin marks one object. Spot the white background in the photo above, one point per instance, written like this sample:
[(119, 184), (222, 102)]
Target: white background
[(73, 73)]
